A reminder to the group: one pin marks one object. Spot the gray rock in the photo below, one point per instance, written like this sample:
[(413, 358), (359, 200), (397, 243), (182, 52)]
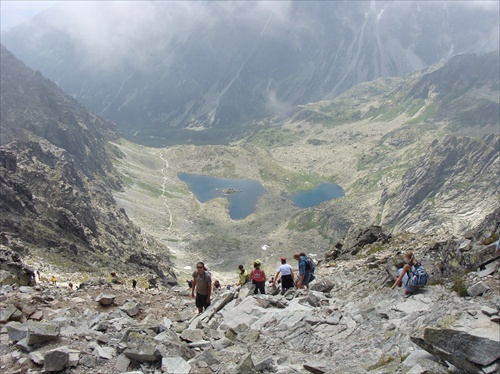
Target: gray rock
[(17, 330), (221, 344), (489, 311), (467, 349), (122, 363), (104, 352), (60, 358), (10, 313), (477, 289), (105, 299), (323, 285), (175, 365), (246, 366), (41, 332), (37, 358), (141, 347), (132, 308), (192, 335)]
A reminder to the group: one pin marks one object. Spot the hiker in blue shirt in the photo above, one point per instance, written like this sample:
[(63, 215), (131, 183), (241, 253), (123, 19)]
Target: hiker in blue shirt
[(304, 270)]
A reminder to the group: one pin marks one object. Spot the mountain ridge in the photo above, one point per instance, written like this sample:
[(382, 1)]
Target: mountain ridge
[(229, 64), (56, 181)]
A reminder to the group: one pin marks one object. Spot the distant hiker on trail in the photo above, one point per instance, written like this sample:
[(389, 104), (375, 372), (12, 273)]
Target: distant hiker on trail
[(134, 284), (190, 284), (413, 275), (258, 278), (39, 275), (243, 276), (287, 277), (53, 280), (202, 283), (306, 270)]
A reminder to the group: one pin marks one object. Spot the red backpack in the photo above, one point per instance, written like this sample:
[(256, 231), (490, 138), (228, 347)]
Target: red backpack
[(258, 275)]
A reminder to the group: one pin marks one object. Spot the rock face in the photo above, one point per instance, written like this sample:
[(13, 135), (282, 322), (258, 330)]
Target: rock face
[(448, 174), (56, 177), (349, 321)]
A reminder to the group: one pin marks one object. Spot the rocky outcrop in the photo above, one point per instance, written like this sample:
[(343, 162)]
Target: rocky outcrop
[(453, 179), (56, 178), (13, 270), (355, 240)]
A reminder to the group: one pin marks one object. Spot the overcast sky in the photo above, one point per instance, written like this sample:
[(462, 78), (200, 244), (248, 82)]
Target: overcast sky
[(15, 12)]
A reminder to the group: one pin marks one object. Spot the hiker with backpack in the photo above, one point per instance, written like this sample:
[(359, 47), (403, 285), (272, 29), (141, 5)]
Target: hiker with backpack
[(258, 278), (413, 275), (306, 269), (202, 283), (310, 266), (287, 277)]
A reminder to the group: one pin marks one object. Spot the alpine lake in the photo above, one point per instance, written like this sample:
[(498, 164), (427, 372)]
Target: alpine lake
[(243, 194)]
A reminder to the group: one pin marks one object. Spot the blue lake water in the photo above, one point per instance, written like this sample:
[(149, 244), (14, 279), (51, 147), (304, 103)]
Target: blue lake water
[(244, 202), (316, 196), (241, 204)]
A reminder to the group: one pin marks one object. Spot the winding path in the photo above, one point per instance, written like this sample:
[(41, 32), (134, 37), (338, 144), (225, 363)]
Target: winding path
[(163, 190)]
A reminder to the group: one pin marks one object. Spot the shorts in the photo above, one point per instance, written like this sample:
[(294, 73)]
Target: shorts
[(307, 278), (201, 301)]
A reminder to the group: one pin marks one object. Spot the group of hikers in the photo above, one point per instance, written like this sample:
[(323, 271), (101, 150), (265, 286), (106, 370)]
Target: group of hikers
[(201, 284), (412, 275)]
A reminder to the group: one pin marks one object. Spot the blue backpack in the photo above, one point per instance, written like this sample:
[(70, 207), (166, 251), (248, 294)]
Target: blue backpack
[(418, 275), (310, 264)]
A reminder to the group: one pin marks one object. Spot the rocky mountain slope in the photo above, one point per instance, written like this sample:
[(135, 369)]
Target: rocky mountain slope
[(350, 320), (197, 72), (56, 181)]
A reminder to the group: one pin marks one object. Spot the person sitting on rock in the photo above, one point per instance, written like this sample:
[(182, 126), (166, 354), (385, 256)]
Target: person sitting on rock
[(286, 272), (217, 286), (258, 277), (243, 276), (405, 273)]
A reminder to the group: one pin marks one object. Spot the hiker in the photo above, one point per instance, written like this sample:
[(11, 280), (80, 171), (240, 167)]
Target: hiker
[(408, 275), (202, 282), (310, 266), (39, 275), (217, 286), (70, 285), (134, 284), (258, 278), (287, 277), (304, 270), (243, 276), (53, 280), (190, 283)]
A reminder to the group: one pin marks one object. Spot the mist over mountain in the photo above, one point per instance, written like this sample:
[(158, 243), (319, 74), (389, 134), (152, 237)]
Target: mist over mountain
[(198, 72)]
